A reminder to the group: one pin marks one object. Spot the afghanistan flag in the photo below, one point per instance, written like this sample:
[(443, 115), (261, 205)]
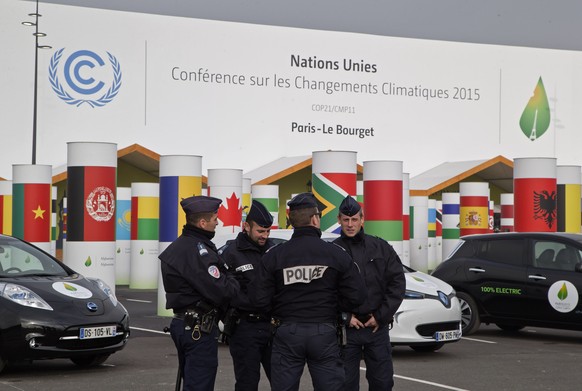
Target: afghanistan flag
[(91, 204)]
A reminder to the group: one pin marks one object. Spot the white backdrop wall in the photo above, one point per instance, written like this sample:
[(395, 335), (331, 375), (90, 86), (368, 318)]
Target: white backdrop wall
[(161, 82)]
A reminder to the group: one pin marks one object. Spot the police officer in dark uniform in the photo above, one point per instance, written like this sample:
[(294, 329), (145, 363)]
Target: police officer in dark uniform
[(196, 287), (382, 271), (307, 281), (250, 326)]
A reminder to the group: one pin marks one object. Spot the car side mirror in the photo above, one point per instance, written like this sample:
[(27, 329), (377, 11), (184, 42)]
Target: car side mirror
[(578, 267)]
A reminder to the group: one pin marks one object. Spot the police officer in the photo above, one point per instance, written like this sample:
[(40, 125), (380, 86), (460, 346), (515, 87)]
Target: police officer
[(196, 286), (250, 337), (307, 281), (382, 271)]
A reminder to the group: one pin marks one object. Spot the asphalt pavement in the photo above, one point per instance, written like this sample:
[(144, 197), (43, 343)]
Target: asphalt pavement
[(491, 359)]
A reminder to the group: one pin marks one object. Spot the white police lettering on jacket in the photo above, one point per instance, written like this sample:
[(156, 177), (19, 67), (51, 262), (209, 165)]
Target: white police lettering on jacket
[(303, 274)]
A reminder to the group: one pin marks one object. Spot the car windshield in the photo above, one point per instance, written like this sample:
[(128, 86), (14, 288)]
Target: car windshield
[(18, 259)]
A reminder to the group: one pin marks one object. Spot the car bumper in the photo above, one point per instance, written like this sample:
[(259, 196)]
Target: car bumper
[(417, 322), (37, 339)]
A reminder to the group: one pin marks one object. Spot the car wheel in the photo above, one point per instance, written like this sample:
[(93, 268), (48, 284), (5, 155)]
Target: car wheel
[(509, 327), (433, 347), (469, 313), (90, 361)]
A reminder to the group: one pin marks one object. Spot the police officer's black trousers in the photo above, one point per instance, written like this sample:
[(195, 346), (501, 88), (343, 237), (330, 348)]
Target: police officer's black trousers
[(197, 358), (377, 356), (250, 347), (315, 343)]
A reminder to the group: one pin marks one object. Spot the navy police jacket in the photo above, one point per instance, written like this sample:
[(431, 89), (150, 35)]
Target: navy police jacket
[(308, 280), (382, 271), (243, 257), (192, 272)]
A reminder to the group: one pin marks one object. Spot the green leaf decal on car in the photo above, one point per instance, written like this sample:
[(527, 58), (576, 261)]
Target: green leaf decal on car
[(88, 262), (563, 292), (418, 279), (69, 287), (535, 119)]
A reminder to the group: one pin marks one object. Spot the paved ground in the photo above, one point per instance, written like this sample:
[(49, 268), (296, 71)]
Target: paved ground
[(533, 359)]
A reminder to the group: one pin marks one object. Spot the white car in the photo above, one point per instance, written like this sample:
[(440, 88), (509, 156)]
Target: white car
[(429, 316)]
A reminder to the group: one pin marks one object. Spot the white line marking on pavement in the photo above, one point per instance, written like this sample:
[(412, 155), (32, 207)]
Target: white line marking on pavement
[(11, 386), (148, 330), (478, 340), (139, 301), (430, 383)]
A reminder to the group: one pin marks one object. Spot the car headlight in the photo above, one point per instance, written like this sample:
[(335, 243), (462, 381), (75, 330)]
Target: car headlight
[(105, 288), (23, 296), (413, 295)]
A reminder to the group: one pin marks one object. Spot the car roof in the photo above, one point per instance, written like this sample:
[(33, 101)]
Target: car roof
[(519, 235)]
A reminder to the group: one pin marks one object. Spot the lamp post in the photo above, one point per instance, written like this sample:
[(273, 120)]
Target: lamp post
[(36, 47)]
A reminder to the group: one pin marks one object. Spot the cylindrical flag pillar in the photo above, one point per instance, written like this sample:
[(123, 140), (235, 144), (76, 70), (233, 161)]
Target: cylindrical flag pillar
[(31, 204), (439, 232), (383, 201), (506, 211), (91, 194), (451, 235), (474, 209), (568, 184), (122, 236), (534, 189), (405, 219), (180, 177), (333, 178), (54, 192), (419, 233), (6, 207), (226, 184), (268, 195), (145, 212), (247, 197), (491, 216), (360, 192), (64, 229), (432, 257)]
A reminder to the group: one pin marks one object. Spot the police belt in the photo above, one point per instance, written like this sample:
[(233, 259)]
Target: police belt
[(253, 317), (182, 315)]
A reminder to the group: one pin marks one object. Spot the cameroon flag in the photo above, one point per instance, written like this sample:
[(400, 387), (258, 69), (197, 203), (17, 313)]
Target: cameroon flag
[(31, 211)]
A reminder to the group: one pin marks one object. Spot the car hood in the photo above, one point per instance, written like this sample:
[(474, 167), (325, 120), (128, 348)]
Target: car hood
[(61, 292), (422, 282)]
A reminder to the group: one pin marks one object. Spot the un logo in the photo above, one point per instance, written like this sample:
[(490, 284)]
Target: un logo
[(88, 79)]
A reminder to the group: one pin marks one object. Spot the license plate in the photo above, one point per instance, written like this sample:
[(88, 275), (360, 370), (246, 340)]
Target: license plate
[(97, 332), (447, 335)]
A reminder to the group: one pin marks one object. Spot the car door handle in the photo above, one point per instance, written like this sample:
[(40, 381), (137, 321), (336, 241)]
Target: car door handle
[(536, 277), (476, 270)]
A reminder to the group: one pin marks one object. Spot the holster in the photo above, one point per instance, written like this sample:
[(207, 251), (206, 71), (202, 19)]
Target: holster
[(231, 319), (342, 332)]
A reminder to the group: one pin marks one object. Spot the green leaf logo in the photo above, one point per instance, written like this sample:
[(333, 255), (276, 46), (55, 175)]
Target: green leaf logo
[(141, 252), (118, 250), (563, 292), (535, 119), (418, 279), (88, 262), (69, 287), (27, 260)]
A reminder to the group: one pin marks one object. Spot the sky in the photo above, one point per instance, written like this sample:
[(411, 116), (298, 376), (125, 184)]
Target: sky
[(547, 24)]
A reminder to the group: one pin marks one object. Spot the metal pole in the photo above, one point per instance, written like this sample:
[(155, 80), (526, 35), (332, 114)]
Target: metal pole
[(35, 88)]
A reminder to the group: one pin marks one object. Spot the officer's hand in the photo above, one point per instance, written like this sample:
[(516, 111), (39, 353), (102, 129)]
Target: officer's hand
[(354, 322), (372, 323)]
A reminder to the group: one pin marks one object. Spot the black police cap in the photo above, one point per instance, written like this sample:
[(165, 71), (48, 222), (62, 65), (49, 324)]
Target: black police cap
[(349, 206), (200, 204), (260, 215), (302, 201)]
